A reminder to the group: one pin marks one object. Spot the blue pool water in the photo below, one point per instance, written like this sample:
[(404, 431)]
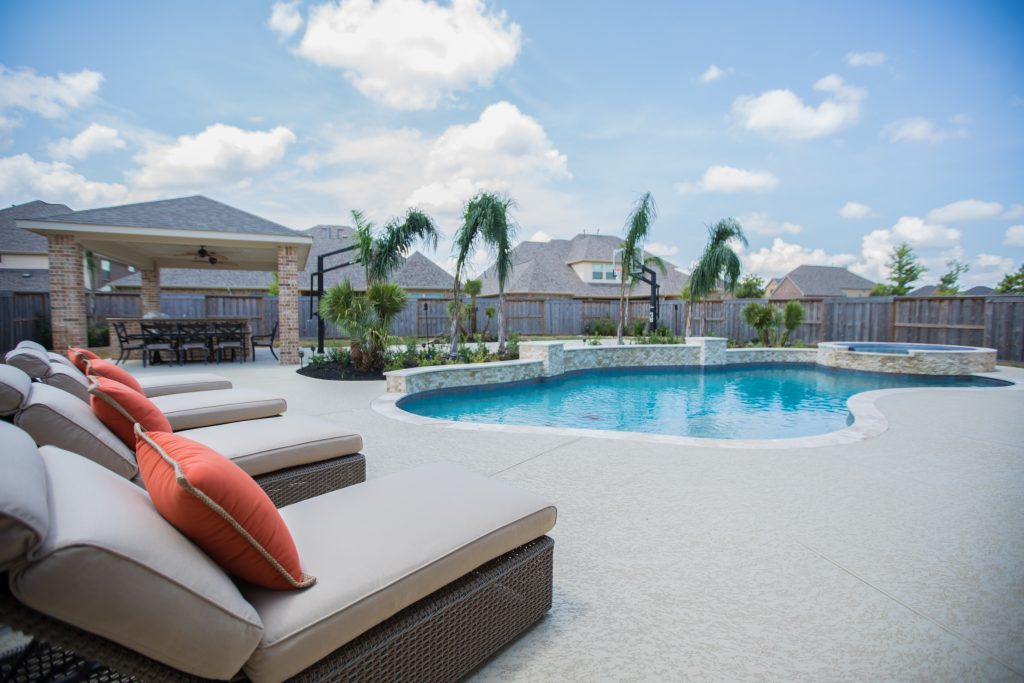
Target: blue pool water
[(734, 402), (883, 347)]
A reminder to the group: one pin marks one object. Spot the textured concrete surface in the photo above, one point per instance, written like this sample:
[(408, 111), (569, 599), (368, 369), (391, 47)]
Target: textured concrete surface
[(896, 558)]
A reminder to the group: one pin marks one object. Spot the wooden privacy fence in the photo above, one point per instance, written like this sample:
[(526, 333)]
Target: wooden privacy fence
[(995, 321)]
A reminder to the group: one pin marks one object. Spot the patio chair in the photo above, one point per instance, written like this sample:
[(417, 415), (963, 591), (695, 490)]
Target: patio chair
[(194, 337), (290, 457), (62, 373), (264, 340), (230, 337), (158, 338), (127, 342), (427, 574)]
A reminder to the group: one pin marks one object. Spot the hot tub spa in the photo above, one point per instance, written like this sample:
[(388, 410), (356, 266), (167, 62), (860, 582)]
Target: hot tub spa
[(911, 359)]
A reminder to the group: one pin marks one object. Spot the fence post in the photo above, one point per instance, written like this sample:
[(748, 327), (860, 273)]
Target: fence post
[(892, 319)]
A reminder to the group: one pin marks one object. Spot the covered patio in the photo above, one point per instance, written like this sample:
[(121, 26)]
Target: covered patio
[(187, 232)]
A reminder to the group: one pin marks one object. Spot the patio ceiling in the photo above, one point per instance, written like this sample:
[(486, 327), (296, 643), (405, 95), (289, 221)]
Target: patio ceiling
[(146, 248)]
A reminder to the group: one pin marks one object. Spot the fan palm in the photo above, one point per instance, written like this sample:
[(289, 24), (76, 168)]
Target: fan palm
[(473, 288), (365, 318), (380, 255), (638, 229), (718, 264)]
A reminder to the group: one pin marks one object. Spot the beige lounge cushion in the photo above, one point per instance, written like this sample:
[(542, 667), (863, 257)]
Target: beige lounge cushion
[(204, 408), (59, 359), (15, 386), (70, 380), (161, 385), (56, 418), (32, 362), (277, 443), (408, 535), (111, 565), (29, 344), (24, 516)]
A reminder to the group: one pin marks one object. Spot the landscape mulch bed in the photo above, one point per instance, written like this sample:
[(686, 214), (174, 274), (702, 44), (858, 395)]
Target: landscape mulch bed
[(337, 371)]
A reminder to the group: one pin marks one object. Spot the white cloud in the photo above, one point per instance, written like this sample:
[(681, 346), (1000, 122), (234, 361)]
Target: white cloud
[(1014, 212), (761, 223), (713, 73), (540, 236), (1014, 236), (285, 18), (731, 179), (23, 176), (45, 95), (988, 269), (95, 138), (966, 210), (783, 113), (855, 210), (866, 58), (936, 244), (220, 155), (411, 54), (661, 249), (920, 129), (783, 257)]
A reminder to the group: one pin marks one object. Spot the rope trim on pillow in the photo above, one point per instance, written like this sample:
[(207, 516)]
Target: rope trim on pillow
[(95, 390), (305, 580)]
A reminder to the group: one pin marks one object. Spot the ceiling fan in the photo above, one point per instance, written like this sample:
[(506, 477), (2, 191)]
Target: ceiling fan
[(208, 255)]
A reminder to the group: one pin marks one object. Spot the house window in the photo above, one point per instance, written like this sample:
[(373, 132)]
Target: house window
[(598, 271), (603, 271), (105, 265), (609, 272), (131, 269)]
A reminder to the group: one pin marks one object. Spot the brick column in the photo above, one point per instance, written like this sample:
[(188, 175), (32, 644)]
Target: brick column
[(150, 290), (288, 303), (67, 292)]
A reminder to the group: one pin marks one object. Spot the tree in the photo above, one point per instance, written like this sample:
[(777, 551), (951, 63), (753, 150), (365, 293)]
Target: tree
[(638, 229), (366, 318), (1013, 283), (275, 285), (773, 325), (949, 284), (750, 287), (382, 254), (904, 269), (718, 264), (473, 288), (485, 219)]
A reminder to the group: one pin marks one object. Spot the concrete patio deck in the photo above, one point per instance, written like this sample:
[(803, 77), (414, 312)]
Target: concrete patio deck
[(900, 557)]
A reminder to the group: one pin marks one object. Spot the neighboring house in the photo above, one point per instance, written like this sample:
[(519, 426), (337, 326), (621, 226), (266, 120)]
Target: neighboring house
[(979, 290), (419, 276), (26, 252), (926, 290), (772, 285), (821, 281), (930, 290), (577, 268)]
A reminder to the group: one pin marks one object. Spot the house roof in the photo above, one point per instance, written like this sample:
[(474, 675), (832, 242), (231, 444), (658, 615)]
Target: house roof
[(926, 290), (826, 280), (417, 272), (182, 213), (24, 280), (544, 268), (15, 240), (979, 290)]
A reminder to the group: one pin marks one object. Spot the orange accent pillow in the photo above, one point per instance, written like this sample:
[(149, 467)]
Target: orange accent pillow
[(103, 368), (220, 508), (80, 357), (120, 407)]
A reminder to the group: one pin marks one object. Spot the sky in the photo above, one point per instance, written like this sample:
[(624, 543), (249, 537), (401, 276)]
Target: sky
[(831, 131)]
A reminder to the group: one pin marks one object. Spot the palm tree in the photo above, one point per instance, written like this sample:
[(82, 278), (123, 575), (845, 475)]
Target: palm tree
[(473, 288), (485, 219), (638, 229), (380, 255), (365, 318), (718, 264)]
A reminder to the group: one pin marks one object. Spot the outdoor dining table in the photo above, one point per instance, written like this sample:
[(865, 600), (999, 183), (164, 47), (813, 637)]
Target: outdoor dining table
[(133, 326)]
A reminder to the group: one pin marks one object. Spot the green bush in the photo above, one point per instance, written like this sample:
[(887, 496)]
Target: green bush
[(98, 335), (600, 327)]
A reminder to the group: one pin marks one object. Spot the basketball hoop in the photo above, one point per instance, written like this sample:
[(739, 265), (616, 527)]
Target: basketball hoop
[(617, 264)]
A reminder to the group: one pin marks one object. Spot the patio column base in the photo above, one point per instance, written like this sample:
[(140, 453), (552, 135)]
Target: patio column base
[(288, 303)]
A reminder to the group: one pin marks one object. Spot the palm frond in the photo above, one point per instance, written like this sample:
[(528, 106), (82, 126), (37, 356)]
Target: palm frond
[(397, 240)]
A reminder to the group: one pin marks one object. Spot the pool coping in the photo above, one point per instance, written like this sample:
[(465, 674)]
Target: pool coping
[(868, 421)]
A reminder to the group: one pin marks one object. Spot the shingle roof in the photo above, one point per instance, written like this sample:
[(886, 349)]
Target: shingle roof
[(24, 280), (979, 290), (14, 239), (926, 290), (826, 280), (418, 272), (544, 268), (201, 278), (182, 213)]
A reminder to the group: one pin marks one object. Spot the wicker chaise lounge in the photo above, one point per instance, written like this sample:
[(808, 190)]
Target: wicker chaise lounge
[(421, 576), (290, 457), (63, 373)]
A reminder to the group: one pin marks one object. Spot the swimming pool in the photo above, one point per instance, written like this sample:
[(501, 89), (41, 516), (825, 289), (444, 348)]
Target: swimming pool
[(729, 402)]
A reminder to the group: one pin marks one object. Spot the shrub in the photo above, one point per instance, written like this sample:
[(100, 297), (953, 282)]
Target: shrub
[(601, 327), (98, 335)]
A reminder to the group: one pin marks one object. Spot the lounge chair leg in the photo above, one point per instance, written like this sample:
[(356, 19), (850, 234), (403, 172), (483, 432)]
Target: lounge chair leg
[(272, 352)]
